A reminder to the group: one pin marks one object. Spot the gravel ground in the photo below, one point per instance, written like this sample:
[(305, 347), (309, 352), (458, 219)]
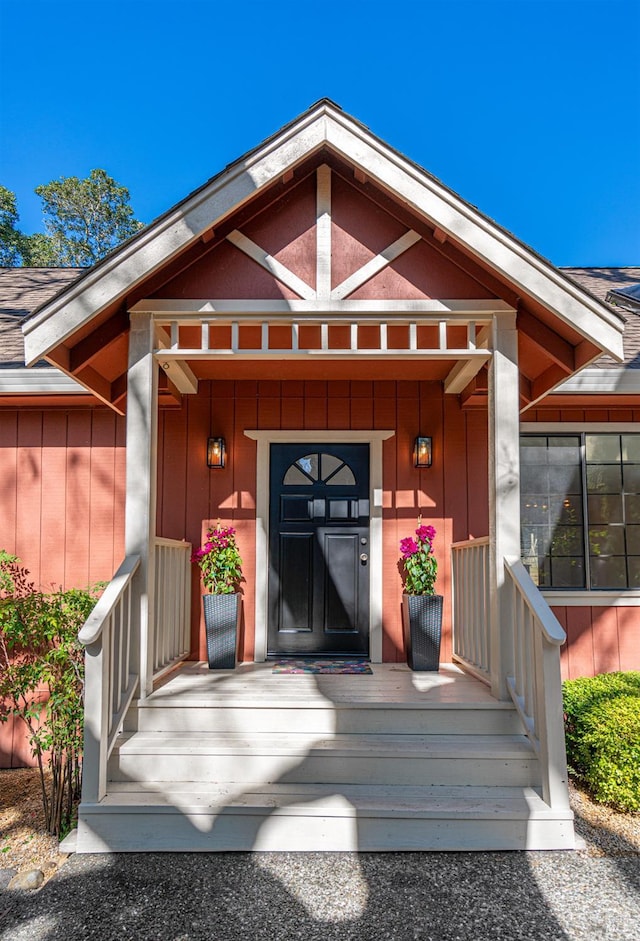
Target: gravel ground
[(593, 893)]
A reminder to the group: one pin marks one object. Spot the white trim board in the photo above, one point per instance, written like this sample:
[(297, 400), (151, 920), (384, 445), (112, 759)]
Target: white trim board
[(594, 598), (576, 427), (265, 439)]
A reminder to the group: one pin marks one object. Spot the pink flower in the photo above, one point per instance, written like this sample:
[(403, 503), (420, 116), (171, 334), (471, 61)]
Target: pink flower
[(408, 547), (425, 533)]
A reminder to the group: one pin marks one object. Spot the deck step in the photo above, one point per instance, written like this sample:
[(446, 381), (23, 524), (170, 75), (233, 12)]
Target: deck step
[(324, 718), (302, 817), (338, 759)]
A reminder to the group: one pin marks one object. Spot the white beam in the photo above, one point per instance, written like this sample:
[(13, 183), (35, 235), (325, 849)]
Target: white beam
[(478, 309), (271, 264), (372, 267), (323, 233), (176, 369), (462, 374)]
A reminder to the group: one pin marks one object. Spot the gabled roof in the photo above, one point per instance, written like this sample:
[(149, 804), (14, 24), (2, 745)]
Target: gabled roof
[(323, 127)]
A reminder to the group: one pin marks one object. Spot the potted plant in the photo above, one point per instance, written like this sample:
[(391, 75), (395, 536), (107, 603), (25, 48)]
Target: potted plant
[(221, 568), (421, 607)]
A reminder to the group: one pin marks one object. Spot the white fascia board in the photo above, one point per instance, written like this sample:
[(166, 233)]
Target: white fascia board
[(154, 247), (602, 381), (242, 181), (488, 242), (43, 381)]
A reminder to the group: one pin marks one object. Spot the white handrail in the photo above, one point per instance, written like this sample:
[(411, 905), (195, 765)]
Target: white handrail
[(534, 680), (471, 606), (111, 639)]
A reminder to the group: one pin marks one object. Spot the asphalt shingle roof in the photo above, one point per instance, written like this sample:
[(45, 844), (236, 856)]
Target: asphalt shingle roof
[(22, 290)]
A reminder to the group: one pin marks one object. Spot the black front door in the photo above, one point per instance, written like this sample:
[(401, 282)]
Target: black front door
[(319, 550)]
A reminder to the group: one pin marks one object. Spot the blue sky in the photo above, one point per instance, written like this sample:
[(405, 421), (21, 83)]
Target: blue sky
[(529, 109)]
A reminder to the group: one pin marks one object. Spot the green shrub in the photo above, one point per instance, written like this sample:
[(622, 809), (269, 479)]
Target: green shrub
[(602, 724), (40, 652)]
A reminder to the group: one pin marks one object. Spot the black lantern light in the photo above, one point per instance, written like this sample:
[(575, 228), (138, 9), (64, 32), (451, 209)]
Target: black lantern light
[(422, 452), (216, 452)]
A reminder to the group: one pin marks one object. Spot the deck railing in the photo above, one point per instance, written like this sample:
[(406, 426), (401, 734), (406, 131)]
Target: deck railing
[(471, 610), (534, 680), (111, 637), (171, 614)]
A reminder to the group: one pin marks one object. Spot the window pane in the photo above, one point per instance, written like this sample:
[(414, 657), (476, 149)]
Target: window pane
[(567, 540), (608, 572), (567, 510), (309, 464), (631, 477), (567, 573), (536, 540), (329, 463), (631, 448), (606, 540), (564, 479), (535, 508), (633, 540), (533, 450), (632, 507), (602, 449), (604, 478), (633, 567), (295, 476), (564, 450), (534, 478), (344, 477), (605, 509)]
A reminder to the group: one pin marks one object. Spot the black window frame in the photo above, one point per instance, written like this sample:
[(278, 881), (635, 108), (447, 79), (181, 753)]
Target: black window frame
[(625, 531)]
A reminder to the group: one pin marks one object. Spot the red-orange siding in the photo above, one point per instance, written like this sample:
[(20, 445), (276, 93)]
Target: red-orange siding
[(61, 507)]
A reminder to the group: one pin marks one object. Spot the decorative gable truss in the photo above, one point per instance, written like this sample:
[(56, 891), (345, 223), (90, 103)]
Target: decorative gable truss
[(323, 321)]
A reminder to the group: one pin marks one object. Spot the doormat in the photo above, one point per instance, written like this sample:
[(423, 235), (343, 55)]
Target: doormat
[(321, 666)]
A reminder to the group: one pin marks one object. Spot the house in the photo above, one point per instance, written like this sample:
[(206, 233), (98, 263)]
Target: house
[(319, 305)]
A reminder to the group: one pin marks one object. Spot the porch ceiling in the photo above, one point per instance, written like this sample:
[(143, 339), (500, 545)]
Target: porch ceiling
[(222, 231)]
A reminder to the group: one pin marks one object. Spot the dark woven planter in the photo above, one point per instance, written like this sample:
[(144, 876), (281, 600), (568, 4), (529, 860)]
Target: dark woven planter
[(221, 618), (422, 628)]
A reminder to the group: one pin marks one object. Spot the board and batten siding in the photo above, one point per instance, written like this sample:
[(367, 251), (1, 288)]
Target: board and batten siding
[(61, 508), (451, 495)]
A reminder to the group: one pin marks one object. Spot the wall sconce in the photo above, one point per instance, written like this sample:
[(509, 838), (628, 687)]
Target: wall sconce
[(422, 452), (216, 452)]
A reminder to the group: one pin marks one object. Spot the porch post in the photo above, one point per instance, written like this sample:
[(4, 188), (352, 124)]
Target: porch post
[(504, 491), (141, 474)]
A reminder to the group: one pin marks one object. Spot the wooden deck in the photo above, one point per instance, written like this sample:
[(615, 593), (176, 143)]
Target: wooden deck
[(252, 760), (393, 684)]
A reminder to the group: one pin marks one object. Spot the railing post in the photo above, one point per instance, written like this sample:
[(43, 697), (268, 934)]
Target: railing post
[(504, 489), (140, 512), (96, 723)]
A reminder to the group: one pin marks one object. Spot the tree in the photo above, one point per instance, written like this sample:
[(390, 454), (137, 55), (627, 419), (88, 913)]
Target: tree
[(11, 239), (86, 219)]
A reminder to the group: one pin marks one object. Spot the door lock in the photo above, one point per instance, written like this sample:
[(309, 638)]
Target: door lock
[(364, 557)]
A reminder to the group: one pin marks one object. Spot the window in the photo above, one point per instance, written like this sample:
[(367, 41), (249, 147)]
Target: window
[(580, 510)]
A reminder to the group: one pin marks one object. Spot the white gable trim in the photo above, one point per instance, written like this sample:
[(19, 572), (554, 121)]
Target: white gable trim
[(323, 125)]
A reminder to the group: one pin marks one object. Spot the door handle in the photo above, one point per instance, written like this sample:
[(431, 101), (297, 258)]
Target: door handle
[(364, 557)]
